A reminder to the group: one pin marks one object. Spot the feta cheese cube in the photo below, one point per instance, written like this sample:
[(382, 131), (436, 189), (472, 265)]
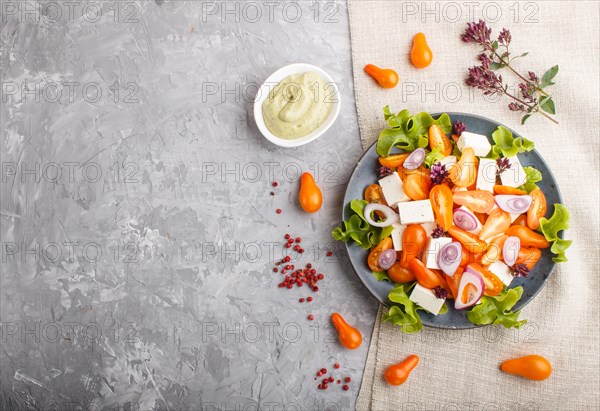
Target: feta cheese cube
[(392, 190), (448, 161), (515, 175), (486, 174), (426, 298), (416, 212), (502, 271), (477, 229), (434, 245), (478, 142), (397, 235)]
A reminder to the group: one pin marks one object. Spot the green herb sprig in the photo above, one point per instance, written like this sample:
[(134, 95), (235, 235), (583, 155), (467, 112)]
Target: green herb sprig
[(532, 97)]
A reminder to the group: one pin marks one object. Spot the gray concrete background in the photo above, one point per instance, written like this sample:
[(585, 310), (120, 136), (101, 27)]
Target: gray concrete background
[(138, 229)]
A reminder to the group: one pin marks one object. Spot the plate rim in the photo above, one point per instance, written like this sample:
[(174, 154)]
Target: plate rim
[(436, 116)]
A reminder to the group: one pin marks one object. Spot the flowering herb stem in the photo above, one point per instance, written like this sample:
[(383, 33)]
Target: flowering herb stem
[(531, 108), (495, 55), (507, 64)]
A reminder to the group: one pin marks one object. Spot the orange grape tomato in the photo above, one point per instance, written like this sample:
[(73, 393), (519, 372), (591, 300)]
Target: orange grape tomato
[(532, 367), (397, 374), (442, 277), (424, 173), (414, 238), (417, 187), (529, 256), (508, 190), (537, 209), (497, 223), (467, 293), (528, 237), (374, 194), (426, 277), (310, 195), (454, 281), (493, 285), (478, 201), (376, 251), (441, 202), (387, 78), (420, 54), (464, 172), (466, 258), (521, 220), (438, 139), (494, 251), (349, 336), (473, 186), (399, 274), (470, 241), (394, 161), (482, 217)]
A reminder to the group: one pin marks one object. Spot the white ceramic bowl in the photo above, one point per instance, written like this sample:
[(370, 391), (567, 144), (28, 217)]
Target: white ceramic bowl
[(332, 94)]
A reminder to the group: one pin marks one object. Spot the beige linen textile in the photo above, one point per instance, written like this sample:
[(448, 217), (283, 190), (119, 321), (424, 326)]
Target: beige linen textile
[(459, 369)]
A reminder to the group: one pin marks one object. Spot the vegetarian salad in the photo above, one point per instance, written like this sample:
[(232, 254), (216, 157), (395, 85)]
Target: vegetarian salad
[(452, 220)]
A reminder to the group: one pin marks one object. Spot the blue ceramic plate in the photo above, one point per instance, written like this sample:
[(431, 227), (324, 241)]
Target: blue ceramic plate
[(365, 174)]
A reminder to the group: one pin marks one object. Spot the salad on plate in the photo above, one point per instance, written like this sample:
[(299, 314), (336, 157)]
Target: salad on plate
[(452, 220)]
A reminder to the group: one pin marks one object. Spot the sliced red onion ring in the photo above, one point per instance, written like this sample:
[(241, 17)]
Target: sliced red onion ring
[(387, 258), (469, 277), (449, 257), (510, 250), (514, 204), (415, 159), (390, 215), (464, 219)]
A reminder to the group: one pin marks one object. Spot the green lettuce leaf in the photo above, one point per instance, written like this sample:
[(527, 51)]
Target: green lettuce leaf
[(404, 313), (357, 229), (497, 310), (381, 276), (507, 146), (408, 132), (433, 156), (533, 176), (550, 228)]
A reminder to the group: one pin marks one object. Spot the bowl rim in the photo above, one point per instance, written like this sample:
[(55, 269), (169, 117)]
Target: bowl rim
[(372, 291), (276, 77)]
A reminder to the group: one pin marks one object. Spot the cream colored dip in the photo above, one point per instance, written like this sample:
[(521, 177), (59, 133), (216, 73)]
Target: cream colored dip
[(297, 106)]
